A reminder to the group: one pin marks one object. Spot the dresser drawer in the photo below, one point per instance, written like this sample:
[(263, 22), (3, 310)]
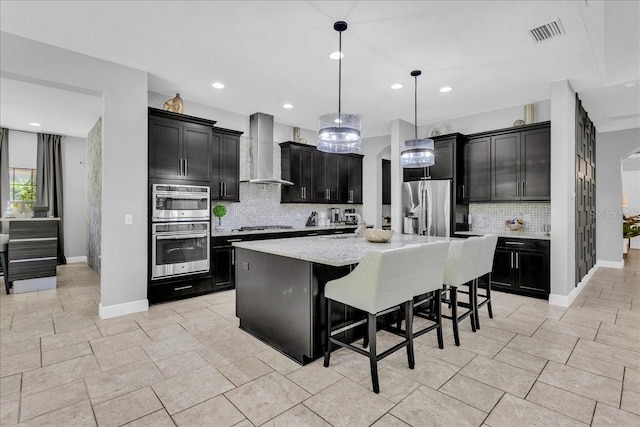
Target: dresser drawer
[(33, 249), (19, 270)]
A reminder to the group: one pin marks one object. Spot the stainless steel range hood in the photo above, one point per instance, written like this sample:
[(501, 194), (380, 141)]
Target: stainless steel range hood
[(261, 150)]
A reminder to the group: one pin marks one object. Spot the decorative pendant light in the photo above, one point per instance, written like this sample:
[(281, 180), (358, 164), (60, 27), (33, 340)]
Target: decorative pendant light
[(339, 133), (417, 153)]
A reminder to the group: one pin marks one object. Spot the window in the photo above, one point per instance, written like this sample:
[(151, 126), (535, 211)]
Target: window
[(22, 194)]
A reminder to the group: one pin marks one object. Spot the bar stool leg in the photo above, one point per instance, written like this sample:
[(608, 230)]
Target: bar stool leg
[(5, 272), (489, 296), (475, 303), (409, 335), (373, 357), (327, 341), (453, 298), (437, 296)]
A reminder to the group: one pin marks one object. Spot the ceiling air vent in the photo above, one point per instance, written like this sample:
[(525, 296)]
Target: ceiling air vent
[(547, 31)]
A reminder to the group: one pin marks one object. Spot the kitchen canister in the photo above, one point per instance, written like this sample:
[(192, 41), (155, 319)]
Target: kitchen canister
[(528, 114), (296, 134)]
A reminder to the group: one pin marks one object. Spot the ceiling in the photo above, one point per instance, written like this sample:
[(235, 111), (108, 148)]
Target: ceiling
[(270, 53)]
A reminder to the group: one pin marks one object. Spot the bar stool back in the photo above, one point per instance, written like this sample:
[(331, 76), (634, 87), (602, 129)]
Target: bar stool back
[(4, 261), (485, 266), (381, 282), (460, 270)]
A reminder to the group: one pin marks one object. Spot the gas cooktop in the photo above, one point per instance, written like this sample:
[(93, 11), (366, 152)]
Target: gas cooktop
[(265, 227)]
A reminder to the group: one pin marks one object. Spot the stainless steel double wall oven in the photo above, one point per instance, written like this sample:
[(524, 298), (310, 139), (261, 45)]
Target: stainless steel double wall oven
[(180, 230)]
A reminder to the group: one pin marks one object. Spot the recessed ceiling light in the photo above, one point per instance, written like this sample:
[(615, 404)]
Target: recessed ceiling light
[(396, 86), (336, 55), (35, 124), (287, 106), (218, 85), (445, 89)]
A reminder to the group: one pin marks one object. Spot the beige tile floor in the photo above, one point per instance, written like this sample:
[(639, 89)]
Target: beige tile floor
[(186, 363)]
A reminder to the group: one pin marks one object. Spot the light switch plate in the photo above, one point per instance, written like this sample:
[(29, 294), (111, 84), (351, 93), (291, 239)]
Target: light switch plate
[(128, 219)]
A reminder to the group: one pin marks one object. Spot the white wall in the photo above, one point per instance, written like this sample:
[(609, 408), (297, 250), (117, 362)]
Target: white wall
[(23, 149), (373, 150), (563, 182), (124, 96), (631, 190), (74, 180), (611, 148)]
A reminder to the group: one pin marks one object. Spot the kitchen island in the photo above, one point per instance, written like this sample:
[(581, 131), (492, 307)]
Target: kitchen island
[(280, 284)]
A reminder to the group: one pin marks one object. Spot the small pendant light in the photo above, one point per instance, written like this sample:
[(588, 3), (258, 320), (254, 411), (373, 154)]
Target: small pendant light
[(339, 133), (417, 153)]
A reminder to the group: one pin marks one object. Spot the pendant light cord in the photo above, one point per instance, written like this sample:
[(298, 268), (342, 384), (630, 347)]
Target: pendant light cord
[(415, 112), (340, 80)]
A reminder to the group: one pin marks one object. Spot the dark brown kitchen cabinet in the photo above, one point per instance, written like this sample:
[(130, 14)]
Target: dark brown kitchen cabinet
[(179, 146), (225, 165), (297, 167), (522, 266), (325, 177), (476, 185), (223, 266), (349, 178), (520, 165), (446, 150), (386, 182)]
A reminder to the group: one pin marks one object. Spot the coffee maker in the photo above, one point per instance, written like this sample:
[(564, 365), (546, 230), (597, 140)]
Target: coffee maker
[(334, 215), (350, 220)]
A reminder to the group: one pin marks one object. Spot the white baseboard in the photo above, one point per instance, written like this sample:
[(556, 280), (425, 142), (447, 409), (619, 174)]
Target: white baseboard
[(109, 311), (567, 300), (610, 264), (76, 259)]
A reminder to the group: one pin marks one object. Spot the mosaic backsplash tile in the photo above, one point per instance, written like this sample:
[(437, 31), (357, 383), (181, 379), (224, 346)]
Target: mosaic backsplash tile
[(491, 216), (260, 203)]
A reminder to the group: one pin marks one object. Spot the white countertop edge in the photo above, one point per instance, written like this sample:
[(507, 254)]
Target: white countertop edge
[(229, 233), (504, 233)]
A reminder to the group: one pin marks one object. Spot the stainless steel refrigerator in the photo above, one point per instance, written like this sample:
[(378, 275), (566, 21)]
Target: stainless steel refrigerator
[(427, 207)]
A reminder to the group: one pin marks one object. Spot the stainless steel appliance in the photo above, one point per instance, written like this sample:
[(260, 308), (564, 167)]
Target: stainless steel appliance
[(427, 207), (180, 202), (179, 248), (334, 215)]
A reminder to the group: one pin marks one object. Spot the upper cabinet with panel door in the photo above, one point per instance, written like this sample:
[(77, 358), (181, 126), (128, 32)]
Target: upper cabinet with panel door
[(179, 146), (349, 178), (297, 167), (225, 165), (521, 164)]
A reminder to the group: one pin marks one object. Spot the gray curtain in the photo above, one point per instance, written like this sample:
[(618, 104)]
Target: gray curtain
[(4, 169), (49, 182)]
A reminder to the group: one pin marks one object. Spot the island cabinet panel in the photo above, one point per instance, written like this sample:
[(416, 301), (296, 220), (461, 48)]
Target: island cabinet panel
[(225, 165), (180, 146), (297, 167), (476, 186)]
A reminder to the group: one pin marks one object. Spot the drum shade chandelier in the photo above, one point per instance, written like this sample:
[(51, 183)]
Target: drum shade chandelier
[(339, 133), (416, 153)]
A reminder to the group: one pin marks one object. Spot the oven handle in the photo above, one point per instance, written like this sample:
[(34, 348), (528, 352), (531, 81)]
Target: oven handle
[(181, 236), (182, 195)]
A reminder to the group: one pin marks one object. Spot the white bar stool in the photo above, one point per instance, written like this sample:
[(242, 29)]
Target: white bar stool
[(380, 283), (460, 270)]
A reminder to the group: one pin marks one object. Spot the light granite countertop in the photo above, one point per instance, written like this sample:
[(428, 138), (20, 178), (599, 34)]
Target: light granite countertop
[(336, 250), (504, 233), (228, 232)]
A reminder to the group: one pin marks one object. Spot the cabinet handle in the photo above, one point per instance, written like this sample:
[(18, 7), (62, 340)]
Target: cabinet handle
[(220, 189), (186, 167), (180, 167), (511, 260), (305, 192), (523, 192), (351, 195), (312, 234), (463, 192), (181, 288), (233, 257), (514, 243), (224, 189), (234, 240), (517, 260)]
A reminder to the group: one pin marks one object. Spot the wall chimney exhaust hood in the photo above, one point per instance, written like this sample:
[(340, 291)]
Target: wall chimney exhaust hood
[(261, 150)]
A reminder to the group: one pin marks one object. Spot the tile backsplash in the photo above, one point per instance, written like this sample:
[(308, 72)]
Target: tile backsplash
[(491, 216), (260, 203)]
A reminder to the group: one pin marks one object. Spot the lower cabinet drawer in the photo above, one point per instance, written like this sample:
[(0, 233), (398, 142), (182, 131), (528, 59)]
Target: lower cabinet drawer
[(179, 289), (31, 249), (32, 269)]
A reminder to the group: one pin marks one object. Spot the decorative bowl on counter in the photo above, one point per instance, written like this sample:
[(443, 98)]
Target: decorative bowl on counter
[(515, 224), (376, 235)]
